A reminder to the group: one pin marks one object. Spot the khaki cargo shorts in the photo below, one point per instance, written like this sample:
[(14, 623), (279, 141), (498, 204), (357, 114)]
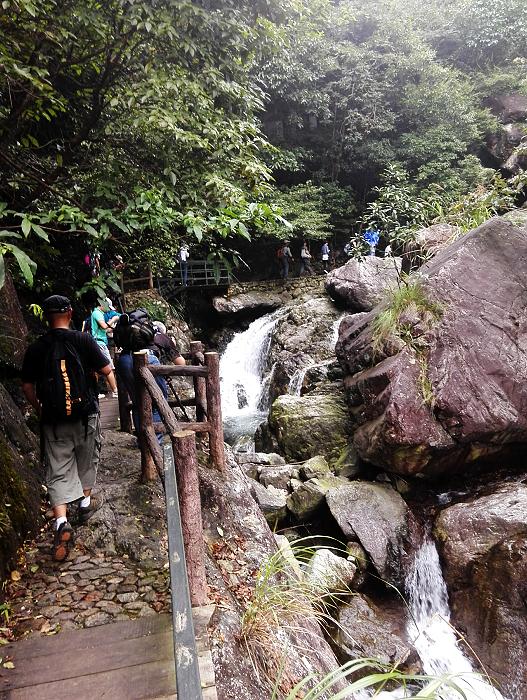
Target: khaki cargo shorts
[(71, 453)]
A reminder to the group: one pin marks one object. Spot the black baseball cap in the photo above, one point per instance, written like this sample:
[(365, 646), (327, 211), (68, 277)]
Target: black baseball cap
[(56, 304)]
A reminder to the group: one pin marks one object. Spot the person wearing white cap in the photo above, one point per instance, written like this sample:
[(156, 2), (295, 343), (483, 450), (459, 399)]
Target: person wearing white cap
[(164, 347)]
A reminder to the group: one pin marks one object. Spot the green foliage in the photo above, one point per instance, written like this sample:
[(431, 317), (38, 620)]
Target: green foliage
[(304, 207), (401, 208), (5, 612), (131, 125), (376, 677), (497, 196)]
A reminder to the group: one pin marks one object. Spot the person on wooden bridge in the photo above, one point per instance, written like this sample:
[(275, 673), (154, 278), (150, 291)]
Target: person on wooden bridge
[(59, 381)]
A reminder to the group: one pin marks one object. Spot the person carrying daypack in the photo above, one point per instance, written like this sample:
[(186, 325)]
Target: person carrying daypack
[(58, 380), (305, 260), (284, 257), (133, 332)]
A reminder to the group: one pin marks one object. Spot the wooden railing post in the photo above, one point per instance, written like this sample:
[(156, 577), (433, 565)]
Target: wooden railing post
[(125, 419), (144, 410), (217, 450), (200, 391), (184, 446)]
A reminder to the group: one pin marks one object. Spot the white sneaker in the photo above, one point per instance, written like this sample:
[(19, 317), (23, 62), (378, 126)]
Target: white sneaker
[(115, 394), (101, 396)]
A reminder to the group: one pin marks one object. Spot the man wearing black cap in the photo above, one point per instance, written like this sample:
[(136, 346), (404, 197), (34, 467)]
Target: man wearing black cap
[(58, 379)]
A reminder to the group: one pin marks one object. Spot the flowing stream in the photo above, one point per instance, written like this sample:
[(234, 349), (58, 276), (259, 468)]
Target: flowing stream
[(431, 633), (243, 381), (297, 380), (245, 405)]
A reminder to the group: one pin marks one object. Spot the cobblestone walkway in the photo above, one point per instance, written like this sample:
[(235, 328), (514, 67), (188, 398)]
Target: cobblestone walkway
[(117, 569)]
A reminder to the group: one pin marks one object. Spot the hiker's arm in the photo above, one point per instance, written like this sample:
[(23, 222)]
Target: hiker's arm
[(110, 377), (99, 318), (30, 393)]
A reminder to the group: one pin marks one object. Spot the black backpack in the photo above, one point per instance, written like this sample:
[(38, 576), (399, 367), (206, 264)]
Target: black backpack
[(64, 390), (134, 331)]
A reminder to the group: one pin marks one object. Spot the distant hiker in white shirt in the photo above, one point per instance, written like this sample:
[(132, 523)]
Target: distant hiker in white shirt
[(183, 263), (325, 255)]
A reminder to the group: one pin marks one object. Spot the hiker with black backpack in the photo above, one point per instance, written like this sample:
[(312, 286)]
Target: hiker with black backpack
[(133, 332), (58, 380)]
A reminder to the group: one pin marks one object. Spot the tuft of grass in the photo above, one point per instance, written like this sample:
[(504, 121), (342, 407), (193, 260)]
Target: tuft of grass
[(389, 326), (379, 676), (284, 600)]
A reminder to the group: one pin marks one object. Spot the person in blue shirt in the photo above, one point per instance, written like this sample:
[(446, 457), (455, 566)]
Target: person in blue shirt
[(371, 236)]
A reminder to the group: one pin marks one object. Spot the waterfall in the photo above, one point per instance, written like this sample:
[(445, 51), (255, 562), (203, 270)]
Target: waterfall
[(433, 638), (297, 380), (242, 368)]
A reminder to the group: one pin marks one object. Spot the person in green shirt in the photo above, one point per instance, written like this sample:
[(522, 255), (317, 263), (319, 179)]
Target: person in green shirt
[(100, 329)]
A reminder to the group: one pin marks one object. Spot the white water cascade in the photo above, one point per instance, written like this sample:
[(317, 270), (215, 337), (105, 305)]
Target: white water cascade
[(243, 383), (297, 380), (433, 637)]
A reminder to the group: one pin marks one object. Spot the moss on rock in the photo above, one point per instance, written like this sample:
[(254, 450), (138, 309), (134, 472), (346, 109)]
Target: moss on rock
[(20, 480), (310, 425)]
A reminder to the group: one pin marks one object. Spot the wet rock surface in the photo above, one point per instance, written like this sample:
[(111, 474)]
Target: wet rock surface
[(484, 548), (361, 284), (472, 362), (376, 516), (369, 629), (304, 337)]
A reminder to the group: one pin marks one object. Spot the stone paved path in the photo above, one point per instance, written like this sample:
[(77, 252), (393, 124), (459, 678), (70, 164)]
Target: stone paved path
[(118, 568)]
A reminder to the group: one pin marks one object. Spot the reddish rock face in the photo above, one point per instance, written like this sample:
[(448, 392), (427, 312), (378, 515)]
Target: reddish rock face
[(472, 360), (484, 548)]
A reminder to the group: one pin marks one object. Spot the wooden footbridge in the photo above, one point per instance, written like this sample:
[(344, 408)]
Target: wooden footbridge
[(159, 656)]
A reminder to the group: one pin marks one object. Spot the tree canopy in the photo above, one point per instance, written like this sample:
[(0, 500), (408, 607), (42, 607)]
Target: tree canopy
[(128, 126)]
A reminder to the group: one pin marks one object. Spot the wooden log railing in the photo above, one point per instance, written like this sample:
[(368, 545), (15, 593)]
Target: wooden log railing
[(204, 373), (207, 400)]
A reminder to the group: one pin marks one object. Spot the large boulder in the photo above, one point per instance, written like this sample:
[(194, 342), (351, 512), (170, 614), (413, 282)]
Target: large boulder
[(311, 425), (303, 337), (271, 500), (331, 573), (305, 500), (447, 383), (376, 516), (426, 242), (361, 284), (484, 548), (372, 630), (247, 303)]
